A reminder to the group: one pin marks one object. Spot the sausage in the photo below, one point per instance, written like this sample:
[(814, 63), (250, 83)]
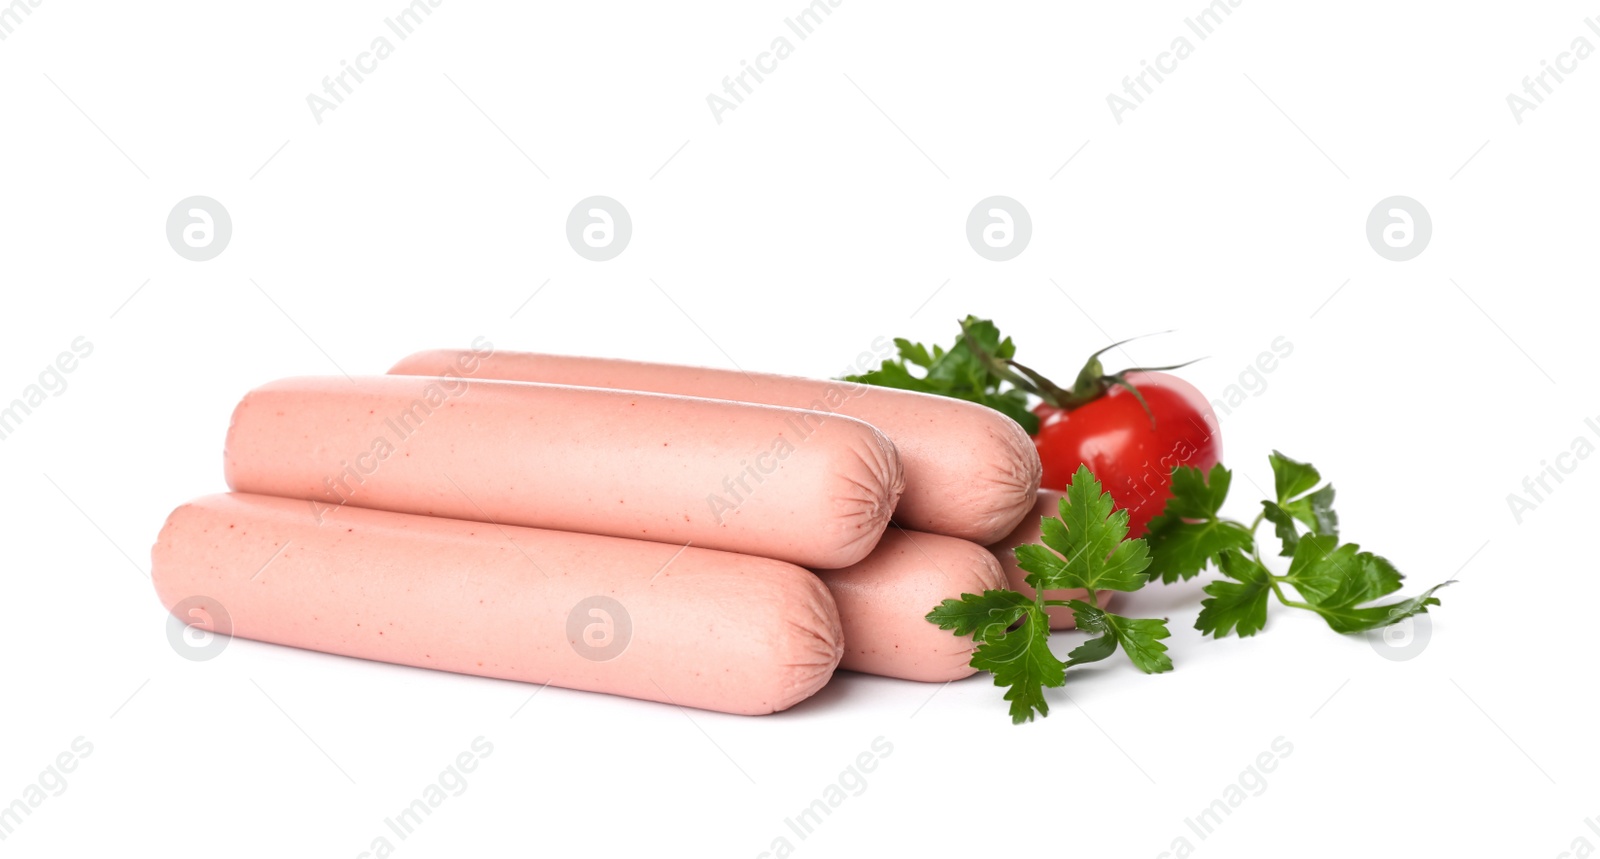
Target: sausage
[(695, 627), (755, 479), (971, 472), (1047, 504), (884, 601)]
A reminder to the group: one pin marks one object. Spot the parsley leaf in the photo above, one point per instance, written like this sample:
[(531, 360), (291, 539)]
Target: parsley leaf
[(1321, 567), (1292, 481), (1348, 618), (1316, 510), (1018, 655), (1093, 650), (1179, 547), (1087, 547), (981, 617), (1291, 477), (1140, 638), (1238, 602), (1196, 495), (1283, 525), (1373, 577), (1336, 580), (1021, 660)]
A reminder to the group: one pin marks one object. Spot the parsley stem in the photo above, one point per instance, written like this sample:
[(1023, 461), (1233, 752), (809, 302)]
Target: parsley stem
[(1255, 545), (1274, 580)]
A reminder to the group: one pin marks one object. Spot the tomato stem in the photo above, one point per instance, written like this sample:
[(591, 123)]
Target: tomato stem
[(1092, 383)]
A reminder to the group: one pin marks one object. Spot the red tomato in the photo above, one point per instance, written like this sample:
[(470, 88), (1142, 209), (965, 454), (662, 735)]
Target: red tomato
[(1113, 435)]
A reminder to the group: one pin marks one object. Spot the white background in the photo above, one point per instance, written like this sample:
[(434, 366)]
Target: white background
[(826, 210)]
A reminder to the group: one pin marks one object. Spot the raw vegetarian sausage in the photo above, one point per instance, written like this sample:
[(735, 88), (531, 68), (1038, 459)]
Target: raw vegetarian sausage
[(781, 483), (884, 599), (971, 472), (695, 627)]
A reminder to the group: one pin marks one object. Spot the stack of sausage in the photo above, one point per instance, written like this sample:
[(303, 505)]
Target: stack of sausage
[(706, 538)]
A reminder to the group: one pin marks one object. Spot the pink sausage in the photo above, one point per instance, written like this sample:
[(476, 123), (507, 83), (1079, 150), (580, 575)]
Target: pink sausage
[(971, 472), (761, 480), (701, 629), (883, 602), (1028, 532)]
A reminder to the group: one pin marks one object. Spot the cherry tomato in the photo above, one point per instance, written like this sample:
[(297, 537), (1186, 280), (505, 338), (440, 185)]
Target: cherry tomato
[(1113, 435)]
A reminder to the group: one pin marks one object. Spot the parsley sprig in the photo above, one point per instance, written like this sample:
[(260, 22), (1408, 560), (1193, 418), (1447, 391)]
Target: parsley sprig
[(1085, 547), (958, 372), (1333, 579)]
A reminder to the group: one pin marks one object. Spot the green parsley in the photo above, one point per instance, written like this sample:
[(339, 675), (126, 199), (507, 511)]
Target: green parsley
[(1333, 579), (1085, 547), (958, 372)]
